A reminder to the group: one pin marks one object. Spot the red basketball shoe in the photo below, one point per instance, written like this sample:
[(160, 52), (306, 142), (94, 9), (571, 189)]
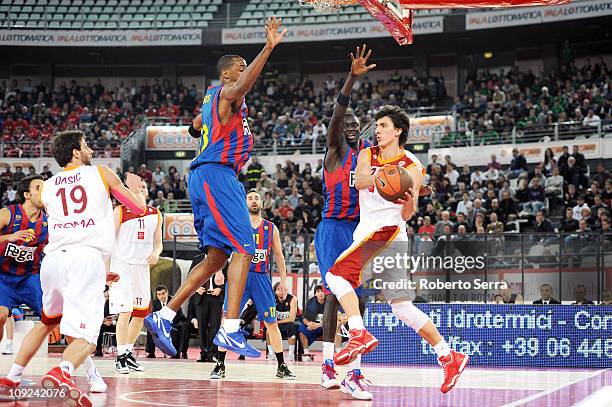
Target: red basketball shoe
[(360, 342), (6, 385), (453, 366), (56, 378)]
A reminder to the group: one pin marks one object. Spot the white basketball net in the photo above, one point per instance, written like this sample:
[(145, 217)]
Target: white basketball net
[(322, 6)]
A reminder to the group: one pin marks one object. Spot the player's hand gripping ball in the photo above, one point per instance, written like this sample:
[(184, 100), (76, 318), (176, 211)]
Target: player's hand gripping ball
[(392, 182)]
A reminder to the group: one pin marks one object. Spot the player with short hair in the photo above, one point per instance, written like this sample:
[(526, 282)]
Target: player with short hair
[(138, 246), (221, 217), (381, 224), (340, 212), (259, 287), (73, 272)]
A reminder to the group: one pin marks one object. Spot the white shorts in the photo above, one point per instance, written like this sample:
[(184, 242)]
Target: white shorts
[(132, 293), (73, 281)]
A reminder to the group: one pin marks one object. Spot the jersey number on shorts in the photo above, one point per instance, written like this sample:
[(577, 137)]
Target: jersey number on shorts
[(77, 195)]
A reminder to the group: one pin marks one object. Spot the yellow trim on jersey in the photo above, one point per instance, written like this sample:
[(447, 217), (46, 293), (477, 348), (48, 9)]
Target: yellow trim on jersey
[(160, 219), (70, 167), (104, 181), (120, 215), (397, 157)]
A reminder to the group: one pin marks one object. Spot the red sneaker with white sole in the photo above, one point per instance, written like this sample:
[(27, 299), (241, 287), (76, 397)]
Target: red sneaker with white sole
[(6, 385), (56, 378), (453, 366), (360, 342)]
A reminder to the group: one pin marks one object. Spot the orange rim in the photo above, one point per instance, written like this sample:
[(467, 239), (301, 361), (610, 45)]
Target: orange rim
[(339, 2)]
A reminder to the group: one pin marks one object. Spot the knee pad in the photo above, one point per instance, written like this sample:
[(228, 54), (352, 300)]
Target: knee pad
[(410, 315), (338, 285)]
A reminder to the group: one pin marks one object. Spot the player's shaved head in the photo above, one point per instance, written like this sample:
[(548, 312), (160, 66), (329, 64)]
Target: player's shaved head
[(226, 62)]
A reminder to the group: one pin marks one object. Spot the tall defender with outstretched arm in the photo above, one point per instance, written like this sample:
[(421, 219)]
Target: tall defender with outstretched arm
[(221, 216)]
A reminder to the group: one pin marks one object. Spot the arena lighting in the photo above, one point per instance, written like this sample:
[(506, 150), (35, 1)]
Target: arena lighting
[(488, 55), (180, 154)]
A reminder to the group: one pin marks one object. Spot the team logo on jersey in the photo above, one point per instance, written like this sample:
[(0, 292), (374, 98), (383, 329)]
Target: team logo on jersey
[(260, 255), (401, 163), (45, 224), (140, 235), (17, 217), (207, 98), (21, 254), (266, 227)]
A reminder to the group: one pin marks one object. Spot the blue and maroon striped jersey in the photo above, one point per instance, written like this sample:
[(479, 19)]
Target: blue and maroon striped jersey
[(228, 144), (264, 236), (341, 196), (23, 258)]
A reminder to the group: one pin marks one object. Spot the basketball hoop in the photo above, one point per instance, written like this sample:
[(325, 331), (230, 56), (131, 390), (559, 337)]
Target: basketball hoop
[(327, 6)]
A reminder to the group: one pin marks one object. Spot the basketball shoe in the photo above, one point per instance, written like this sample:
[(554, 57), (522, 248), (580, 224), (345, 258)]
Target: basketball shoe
[(121, 365), (56, 378), (132, 363), (283, 372), (328, 375), (218, 371), (354, 384), (360, 342), (453, 366), (236, 342), (96, 383), (160, 329)]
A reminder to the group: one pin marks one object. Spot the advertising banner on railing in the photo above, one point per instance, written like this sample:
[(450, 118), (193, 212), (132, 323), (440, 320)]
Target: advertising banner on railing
[(327, 32), (92, 38), (536, 15), (180, 225), (593, 148), (498, 334), (169, 138), (39, 163)]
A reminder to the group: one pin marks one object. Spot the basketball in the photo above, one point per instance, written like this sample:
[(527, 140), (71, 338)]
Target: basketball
[(392, 182)]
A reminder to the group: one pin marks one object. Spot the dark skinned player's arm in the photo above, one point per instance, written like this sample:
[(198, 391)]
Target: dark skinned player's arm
[(335, 142)]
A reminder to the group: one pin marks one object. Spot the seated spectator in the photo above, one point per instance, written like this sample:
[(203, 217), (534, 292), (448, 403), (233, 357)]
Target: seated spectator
[(606, 297), (536, 198), (445, 221), (494, 226), (508, 297), (554, 188), (465, 205), (580, 296), (601, 175), (461, 221), (494, 163), (571, 173), (286, 312), (549, 163), (312, 327), (546, 297), (580, 205), (518, 164), (569, 224), (451, 174), (108, 325), (508, 205), (478, 177), (491, 174)]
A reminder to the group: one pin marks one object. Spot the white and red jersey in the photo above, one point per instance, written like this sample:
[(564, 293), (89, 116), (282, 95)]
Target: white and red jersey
[(79, 209), (135, 241), (376, 212)]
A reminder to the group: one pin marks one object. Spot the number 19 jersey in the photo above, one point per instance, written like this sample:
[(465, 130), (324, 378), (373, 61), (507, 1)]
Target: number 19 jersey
[(79, 210)]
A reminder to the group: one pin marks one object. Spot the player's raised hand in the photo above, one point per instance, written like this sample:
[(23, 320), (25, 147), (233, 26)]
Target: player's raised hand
[(21, 236), (274, 36), (359, 61)]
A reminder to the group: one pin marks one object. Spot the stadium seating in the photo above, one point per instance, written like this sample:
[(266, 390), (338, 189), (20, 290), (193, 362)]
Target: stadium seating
[(107, 14)]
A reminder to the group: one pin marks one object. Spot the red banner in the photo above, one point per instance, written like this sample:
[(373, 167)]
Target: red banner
[(414, 4)]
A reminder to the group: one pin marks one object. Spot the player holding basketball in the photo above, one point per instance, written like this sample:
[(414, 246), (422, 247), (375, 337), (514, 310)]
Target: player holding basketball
[(138, 245), (20, 263), (382, 223), (259, 287), (73, 272), (340, 215), (221, 217)]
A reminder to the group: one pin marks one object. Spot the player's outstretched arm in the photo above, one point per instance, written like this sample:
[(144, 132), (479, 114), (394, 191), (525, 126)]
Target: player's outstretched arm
[(20, 235), (195, 127), (158, 246), (336, 144), (364, 178), (279, 258), (130, 196), (237, 91)]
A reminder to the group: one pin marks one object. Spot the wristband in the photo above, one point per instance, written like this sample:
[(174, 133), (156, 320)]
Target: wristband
[(193, 132), (343, 100)]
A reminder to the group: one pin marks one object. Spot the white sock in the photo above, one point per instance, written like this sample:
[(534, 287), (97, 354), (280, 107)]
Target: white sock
[(328, 351), (231, 325), (355, 322), (9, 342), (442, 349), (89, 366), (270, 349), (130, 348), (167, 314), (15, 373), (355, 364), (121, 349), (67, 367)]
